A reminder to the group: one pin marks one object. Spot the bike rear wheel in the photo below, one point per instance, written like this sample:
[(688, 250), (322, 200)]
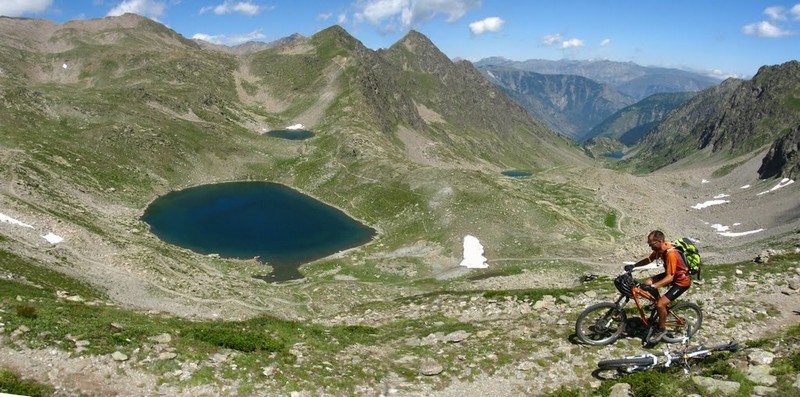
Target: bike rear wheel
[(683, 321), (629, 364), (600, 324)]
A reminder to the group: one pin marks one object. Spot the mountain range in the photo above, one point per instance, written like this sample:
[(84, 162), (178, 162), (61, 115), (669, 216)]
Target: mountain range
[(101, 117), (574, 98)]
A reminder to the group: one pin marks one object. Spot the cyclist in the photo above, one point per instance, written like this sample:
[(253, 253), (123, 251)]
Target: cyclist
[(675, 274)]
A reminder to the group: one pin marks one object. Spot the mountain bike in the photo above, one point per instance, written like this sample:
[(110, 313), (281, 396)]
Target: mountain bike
[(603, 323), (681, 357)]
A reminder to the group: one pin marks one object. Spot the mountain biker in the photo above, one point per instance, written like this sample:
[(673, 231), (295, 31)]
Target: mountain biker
[(675, 274)]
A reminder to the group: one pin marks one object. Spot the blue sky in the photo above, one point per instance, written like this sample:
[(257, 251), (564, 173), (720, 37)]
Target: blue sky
[(717, 38)]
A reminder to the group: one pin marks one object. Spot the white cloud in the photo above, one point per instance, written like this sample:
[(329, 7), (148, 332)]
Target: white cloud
[(491, 24), (605, 43), (775, 13), (571, 43), (557, 40), (550, 40), (230, 40), (764, 29), (423, 10), (17, 8), (720, 74), (146, 8), (230, 7), (772, 27), (341, 19), (324, 16), (376, 11), (389, 14)]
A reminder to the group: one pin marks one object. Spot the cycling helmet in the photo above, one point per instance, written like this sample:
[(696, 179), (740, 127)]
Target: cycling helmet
[(624, 283)]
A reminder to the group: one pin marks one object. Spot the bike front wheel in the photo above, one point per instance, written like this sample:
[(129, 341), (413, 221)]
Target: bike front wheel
[(683, 321), (600, 324), (629, 364)]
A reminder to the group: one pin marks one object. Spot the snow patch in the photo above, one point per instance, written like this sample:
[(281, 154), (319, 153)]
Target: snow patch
[(295, 127), (721, 195), (53, 238), (709, 203), (720, 228), (783, 183), (473, 254), (8, 219), (737, 234)]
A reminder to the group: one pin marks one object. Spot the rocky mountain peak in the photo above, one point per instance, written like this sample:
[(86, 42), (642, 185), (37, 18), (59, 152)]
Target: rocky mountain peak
[(426, 55)]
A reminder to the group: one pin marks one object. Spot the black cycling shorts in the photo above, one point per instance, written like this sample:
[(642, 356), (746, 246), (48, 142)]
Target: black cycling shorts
[(674, 290)]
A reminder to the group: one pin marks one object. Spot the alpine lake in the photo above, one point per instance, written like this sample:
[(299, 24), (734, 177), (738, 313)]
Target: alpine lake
[(292, 135), (273, 223)]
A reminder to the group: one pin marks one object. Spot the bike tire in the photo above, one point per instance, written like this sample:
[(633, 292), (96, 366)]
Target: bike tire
[(600, 324), (628, 364), (725, 347), (691, 315)]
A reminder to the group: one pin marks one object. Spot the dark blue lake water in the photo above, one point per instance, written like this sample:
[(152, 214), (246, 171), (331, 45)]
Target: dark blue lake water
[(279, 225), (294, 135), (516, 174), (615, 155)]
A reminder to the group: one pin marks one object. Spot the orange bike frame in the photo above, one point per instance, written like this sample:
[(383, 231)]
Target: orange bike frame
[(638, 292)]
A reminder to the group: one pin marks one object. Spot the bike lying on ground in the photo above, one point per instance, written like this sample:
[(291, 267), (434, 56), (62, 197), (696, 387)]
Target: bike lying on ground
[(681, 357), (603, 323)]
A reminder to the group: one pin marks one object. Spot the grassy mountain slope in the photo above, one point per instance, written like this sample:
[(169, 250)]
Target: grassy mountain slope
[(736, 118), (407, 141), (630, 124), (100, 117)]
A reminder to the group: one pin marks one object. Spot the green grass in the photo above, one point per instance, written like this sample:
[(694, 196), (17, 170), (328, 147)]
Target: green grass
[(11, 383), (611, 220), (265, 341)]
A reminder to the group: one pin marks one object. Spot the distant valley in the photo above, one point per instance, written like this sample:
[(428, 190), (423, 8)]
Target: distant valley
[(102, 117), (575, 98)]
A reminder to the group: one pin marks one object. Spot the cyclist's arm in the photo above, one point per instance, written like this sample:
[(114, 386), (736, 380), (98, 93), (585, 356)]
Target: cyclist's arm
[(645, 261)]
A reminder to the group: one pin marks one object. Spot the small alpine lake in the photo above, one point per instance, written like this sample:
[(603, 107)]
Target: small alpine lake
[(272, 222), (292, 135), (516, 174)]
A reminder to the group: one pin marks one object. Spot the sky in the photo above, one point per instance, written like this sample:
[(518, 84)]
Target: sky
[(722, 39)]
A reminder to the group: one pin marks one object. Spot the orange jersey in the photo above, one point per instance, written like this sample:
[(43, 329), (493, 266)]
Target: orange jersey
[(673, 264)]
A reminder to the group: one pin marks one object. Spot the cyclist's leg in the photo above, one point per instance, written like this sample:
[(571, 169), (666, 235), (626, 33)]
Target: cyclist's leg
[(673, 293)]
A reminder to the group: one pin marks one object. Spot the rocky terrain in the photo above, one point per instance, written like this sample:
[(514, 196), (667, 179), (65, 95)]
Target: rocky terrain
[(752, 303), (406, 141)]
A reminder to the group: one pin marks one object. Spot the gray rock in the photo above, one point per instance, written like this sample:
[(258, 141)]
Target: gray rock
[(764, 391), (525, 366), (163, 338), (711, 385), (456, 336), (621, 390), (760, 374), (430, 367), (119, 356), (760, 357)]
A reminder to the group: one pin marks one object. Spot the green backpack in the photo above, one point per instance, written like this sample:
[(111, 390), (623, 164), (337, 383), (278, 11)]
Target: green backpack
[(689, 254)]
